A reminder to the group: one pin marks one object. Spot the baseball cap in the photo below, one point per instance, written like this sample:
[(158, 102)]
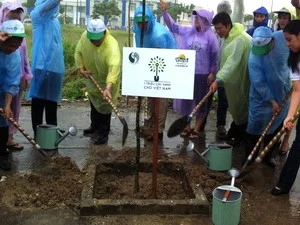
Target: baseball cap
[(139, 18), (261, 41), (14, 28), (95, 29)]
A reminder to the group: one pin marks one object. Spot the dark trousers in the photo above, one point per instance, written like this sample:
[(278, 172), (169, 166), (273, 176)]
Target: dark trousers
[(37, 110), (290, 169), (100, 122), (251, 141), (221, 108), (237, 131), (3, 140)]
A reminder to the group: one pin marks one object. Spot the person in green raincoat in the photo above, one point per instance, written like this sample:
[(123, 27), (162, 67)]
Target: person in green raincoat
[(97, 54), (233, 73)]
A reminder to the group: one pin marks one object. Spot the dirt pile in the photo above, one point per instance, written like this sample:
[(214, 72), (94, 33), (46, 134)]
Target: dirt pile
[(60, 182)]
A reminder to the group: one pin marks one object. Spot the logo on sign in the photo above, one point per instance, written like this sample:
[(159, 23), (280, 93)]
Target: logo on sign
[(181, 61), (134, 57), (157, 65)]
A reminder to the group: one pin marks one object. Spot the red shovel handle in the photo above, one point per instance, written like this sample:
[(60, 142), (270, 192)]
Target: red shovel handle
[(226, 195)]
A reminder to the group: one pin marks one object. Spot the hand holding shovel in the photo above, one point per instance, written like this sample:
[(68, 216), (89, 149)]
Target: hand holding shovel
[(181, 123), (121, 118), (275, 139), (265, 132)]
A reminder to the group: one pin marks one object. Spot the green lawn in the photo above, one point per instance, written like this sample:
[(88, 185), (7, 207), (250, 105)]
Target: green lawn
[(74, 85)]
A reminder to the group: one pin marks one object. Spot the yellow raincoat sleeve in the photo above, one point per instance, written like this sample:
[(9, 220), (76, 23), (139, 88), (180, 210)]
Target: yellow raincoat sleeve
[(78, 56)]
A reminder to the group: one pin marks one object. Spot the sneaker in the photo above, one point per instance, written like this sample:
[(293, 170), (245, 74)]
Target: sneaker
[(89, 130), (221, 131), (4, 163), (278, 191)]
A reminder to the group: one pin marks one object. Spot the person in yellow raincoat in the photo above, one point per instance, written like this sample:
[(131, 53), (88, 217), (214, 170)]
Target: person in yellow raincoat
[(233, 73), (97, 54)]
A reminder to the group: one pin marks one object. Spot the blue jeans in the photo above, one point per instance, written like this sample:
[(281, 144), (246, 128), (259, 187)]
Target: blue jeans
[(290, 169)]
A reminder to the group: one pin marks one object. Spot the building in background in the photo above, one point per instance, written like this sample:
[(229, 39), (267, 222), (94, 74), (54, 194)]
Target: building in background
[(75, 12)]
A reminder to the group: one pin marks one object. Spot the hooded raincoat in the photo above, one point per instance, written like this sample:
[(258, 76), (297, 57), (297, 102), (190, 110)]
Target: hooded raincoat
[(104, 62), (206, 45), (269, 75), (10, 72), (264, 23), (48, 66), (156, 36), (26, 74), (233, 72)]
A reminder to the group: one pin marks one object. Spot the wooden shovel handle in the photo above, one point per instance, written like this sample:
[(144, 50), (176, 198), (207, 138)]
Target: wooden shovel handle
[(204, 99), (275, 139), (26, 135), (106, 98), (267, 129)]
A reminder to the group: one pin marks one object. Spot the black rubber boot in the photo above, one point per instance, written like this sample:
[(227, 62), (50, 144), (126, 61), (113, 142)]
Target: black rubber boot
[(4, 154)]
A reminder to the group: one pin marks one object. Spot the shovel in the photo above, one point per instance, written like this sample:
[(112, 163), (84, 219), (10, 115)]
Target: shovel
[(249, 158), (26, 135), (275, 139), (121, 118), (178, 125)]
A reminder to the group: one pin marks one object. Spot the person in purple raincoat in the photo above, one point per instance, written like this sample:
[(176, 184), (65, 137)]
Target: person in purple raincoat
[(199, 37)]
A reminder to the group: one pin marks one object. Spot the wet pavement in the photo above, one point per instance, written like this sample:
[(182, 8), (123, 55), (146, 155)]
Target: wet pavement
[(79, 148)]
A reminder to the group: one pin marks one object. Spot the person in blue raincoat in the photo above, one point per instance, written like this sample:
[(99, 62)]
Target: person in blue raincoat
[(10, 73), (261, 18), (270, 84), (155, 36), (47, 62)]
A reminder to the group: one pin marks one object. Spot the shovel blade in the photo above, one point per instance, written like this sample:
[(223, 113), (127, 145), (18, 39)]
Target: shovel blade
[(178, 126), (125, 131)]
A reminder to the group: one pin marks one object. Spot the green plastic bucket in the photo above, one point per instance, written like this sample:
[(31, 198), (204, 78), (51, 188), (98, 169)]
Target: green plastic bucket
[(219, 157), (226, 212), (46, 136)]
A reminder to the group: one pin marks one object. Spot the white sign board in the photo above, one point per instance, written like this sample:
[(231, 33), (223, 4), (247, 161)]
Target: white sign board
[(163, 73)]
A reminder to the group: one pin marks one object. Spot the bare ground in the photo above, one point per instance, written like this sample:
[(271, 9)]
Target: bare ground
[(59, 186)]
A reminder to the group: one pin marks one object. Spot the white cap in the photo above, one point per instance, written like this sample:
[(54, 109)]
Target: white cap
[(95, 29), (14, 28)]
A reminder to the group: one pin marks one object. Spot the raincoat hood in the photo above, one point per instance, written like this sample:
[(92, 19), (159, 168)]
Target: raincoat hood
[(8, 6), (202, 13), (149, 14), (235, 31), (264, 11), (155, 35)]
